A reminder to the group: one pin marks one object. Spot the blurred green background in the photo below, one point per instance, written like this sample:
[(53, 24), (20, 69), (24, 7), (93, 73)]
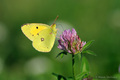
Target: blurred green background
[(97, 20)]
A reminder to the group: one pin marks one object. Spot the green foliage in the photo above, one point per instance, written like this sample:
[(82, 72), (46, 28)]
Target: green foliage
[(81, 75), (84, 65), (61, 54), (117, 76), (59, 77), (69, 78), (89, 52), (87, 45), (84, 69), (79, 55)]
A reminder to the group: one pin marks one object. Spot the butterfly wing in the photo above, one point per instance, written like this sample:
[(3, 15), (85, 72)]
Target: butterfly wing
[(44, 41), (32, 29)]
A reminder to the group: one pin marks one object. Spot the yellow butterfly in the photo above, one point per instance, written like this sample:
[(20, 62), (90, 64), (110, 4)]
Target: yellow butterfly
[(41, 35)]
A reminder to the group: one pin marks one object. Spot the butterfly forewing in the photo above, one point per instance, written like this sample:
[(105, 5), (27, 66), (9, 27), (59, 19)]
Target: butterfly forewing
[(32, 29)]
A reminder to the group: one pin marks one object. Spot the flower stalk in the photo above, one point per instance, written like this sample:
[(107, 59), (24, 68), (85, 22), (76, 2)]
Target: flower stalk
[(73, 63)]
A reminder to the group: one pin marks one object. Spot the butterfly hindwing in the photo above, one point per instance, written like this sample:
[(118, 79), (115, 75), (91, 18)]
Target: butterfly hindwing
[(44, 40)]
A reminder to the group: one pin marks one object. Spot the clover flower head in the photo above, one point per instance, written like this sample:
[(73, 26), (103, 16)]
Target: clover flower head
[(70, 42)]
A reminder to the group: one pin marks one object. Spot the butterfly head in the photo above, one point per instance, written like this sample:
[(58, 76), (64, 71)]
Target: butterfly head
[(53, 26)]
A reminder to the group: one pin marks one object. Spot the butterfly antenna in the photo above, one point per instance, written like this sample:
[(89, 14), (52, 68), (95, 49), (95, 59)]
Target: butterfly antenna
[(55, 20)]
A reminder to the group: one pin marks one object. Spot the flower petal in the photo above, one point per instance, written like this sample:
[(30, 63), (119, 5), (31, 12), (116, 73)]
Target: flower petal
[(73, 32), (83, 43), (61, 37), (61, 46)]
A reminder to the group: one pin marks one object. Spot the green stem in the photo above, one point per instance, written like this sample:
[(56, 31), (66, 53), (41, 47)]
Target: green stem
[(81, 62), (73, 61), (81, 57)]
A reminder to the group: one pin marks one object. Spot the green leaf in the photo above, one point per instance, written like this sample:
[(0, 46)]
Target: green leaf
[(80, 76), (79, 55), (84, 65), (89, 52), (59, 77), (61, 54), (69, 78), (87, 45)]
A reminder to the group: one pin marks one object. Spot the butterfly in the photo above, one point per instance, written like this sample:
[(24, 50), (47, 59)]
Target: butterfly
[(42, 35)]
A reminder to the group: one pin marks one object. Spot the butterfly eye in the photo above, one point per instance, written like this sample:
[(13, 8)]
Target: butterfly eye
[(36, 27)]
